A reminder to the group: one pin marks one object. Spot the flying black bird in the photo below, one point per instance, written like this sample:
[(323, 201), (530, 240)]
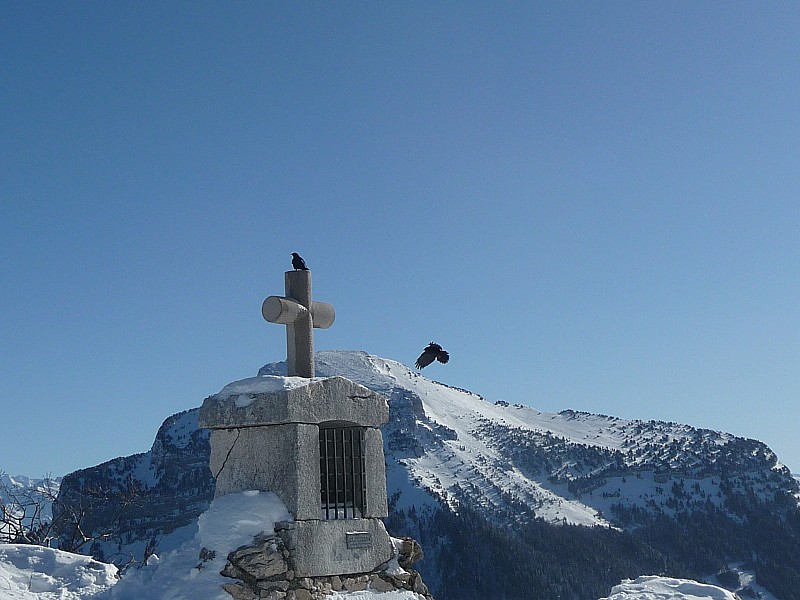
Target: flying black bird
[(298, 263), (432, 352)]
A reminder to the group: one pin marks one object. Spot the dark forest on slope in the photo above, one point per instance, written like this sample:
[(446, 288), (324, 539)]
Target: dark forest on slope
[(475, 558)]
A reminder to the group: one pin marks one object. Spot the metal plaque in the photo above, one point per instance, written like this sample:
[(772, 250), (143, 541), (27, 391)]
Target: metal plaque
[(358, 539)]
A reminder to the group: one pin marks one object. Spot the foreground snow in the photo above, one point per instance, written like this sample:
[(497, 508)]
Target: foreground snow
[(231, 521), (368, 595), (664, 588), (39, 573)]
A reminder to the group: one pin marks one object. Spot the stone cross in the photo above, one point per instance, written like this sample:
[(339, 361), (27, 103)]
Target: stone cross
[(300, 315)]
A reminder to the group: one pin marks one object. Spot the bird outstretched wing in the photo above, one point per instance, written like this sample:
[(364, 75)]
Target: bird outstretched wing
[(425, 359), (432, 352)]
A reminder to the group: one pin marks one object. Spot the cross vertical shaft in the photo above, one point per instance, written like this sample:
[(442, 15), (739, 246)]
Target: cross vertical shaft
[(299, 334), (300, 314)]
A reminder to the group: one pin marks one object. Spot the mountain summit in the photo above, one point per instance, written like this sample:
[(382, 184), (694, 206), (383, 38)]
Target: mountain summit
[(515, 462), (476, 481)]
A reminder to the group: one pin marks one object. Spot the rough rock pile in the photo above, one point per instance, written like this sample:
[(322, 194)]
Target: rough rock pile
[(264, 570)]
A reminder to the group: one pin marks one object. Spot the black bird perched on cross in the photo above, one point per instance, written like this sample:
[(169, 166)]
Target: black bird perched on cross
[(298, 263), (432, 352)]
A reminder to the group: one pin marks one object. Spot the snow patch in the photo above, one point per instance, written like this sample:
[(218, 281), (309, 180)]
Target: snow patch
[(370, 595), (246, 389), (231, 521), (664, 588), (38, 573)]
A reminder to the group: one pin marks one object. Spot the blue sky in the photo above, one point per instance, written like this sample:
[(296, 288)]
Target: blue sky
[(590, 205)]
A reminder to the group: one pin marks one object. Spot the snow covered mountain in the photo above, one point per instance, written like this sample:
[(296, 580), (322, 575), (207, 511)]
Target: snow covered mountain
[(476, 481), (515, 462), (25, 505)]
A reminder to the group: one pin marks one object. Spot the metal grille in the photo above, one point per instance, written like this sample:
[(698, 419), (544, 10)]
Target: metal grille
[(342, 468)]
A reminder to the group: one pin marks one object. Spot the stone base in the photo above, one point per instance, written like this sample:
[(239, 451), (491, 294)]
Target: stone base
[(265, 571), (337, 547)]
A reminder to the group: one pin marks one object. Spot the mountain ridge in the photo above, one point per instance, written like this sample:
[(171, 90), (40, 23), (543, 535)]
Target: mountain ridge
[(461, 466), (554, 459)]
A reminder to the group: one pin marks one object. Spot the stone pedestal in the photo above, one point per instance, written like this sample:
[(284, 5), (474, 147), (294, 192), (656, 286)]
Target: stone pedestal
[(339, 547), (266, 436)]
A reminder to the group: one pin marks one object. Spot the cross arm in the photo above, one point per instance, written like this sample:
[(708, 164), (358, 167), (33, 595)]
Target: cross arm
[(277, 309)]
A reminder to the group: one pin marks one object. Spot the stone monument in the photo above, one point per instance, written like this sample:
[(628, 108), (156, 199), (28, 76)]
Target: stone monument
[(315, 442)]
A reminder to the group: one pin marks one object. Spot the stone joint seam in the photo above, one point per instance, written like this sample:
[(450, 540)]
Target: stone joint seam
[(228, 455)]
